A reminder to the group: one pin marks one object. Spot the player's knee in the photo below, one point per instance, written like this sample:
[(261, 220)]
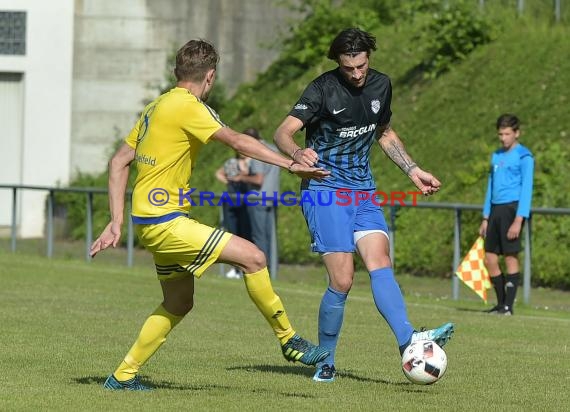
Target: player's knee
[(255, 260), (490, 260), (180, 306), (343, 285)]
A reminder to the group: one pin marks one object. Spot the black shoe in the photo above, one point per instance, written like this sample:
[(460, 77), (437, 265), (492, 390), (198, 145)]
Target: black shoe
[(505, 310), (495, 309)]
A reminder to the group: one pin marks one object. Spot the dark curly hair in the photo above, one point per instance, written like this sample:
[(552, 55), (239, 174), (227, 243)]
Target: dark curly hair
[(351, 41)]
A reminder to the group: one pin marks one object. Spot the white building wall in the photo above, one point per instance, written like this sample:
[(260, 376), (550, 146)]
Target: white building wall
[(90, 65), (46, 131)]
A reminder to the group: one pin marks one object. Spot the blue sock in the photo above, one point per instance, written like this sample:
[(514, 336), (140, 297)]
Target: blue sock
[(331, 314), (390, 303)]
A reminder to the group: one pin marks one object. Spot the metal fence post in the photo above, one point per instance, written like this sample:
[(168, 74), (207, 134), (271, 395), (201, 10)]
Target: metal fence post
[(527, 261), (557, 10), (456, 252), (50, 225), (89, 224), (274, 259), (130, 237), (520, 7), (14, 228), (222, 266)]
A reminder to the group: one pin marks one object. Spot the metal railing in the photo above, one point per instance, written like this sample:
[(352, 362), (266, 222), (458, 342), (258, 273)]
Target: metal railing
[(392, 210), (457, 255), (521, 6), (89, 192)]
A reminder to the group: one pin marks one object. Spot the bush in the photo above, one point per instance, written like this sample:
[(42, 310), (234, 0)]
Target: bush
[(446, 34)]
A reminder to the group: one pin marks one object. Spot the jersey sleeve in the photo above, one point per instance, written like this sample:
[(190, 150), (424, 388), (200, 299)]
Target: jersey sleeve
[(527, 171), (386, 109), (133, 135), (487, 201), (309, 104), (201, 121)]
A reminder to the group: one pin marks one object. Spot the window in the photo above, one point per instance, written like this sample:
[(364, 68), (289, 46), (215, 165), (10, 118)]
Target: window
[(13, 32)]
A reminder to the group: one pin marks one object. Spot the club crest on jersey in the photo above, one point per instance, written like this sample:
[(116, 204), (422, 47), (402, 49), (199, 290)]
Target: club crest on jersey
[(375, 105)]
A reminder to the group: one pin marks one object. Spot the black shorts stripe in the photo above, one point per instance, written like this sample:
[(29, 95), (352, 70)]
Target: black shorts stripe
[(176, 265), (167, 270), (207, 250)]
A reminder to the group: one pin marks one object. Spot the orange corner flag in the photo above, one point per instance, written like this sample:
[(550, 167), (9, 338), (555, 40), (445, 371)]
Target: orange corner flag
[(472, 270)]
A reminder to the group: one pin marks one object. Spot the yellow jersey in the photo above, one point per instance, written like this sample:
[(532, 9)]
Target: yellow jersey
[(167, 139)]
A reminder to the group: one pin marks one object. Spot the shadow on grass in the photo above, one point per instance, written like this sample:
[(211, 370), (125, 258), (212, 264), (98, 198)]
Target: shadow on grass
[(308, 372), (473, 310), (285, 370), (97, 380)]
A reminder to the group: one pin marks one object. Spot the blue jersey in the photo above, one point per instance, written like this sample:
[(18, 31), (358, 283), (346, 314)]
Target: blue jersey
[(341, 122), (510, 179)]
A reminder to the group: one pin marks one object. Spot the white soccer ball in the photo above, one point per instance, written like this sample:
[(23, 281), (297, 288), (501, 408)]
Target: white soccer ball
[(424, 362)]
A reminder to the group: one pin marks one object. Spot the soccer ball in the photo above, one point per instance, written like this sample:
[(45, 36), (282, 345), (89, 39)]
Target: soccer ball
[(424, 362)]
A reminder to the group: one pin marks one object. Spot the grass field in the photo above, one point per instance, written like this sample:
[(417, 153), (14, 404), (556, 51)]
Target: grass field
[(66, 324)]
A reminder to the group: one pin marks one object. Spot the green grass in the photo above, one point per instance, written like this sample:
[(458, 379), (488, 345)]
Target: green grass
[(66, 324)]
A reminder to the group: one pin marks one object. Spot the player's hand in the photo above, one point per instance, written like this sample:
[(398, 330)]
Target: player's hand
[(483, 228), (424, 181), (514, 230), (308, 172), (307, 157), (109, 237)]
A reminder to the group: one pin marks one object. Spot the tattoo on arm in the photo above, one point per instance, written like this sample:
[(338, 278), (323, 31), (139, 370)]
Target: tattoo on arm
[(394, 148)]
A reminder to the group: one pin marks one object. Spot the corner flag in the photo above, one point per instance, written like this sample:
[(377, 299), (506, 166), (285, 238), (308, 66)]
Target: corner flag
[(472, 270)]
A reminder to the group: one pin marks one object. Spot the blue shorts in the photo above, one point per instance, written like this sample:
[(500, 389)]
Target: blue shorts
[(332, 220)]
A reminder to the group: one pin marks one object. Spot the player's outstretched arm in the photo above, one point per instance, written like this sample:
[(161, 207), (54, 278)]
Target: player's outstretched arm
[(395, 150), (118, 177), (251, 147), (284, 140)]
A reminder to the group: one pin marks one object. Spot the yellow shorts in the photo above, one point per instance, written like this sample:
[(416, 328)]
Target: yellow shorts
[(182, 246)]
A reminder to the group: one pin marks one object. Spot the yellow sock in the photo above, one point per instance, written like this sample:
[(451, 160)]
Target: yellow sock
[(261, 293), (151, 337)]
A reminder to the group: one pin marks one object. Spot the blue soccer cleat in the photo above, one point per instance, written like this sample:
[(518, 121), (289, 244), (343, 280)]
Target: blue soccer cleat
[(325, 373), (133, 384), (439, 335), (299, 349)]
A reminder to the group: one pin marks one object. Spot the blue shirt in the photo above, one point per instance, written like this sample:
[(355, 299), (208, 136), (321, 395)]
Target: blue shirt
[(510, 179)]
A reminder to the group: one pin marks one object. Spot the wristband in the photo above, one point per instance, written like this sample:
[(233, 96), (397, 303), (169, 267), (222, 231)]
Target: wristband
[(290, 166), (295, 152)]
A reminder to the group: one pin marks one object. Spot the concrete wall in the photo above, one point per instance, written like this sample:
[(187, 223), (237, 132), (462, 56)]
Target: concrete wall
[(90, 65), (121, 49), (44, 136)]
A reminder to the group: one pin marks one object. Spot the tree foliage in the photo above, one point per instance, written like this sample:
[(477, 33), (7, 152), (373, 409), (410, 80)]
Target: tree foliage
[(445, 34)]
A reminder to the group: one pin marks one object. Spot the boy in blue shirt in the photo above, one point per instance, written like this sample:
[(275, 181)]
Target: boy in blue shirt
[(507, 204)]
